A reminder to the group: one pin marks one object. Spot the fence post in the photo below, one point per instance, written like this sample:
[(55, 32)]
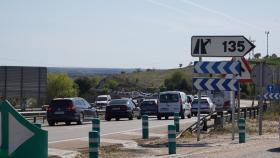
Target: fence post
[(242, 132), (145, 127), (93, 144), (176, 121), (96, 126), (34, 119), (204, 128), (171, 139), (245, 113), (250, 113)]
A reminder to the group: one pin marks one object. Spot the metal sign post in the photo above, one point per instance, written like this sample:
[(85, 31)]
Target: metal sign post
[(233, 115), (198, 111), (262, 76)]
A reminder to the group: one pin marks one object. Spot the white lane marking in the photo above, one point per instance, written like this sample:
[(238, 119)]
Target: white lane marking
[(66, 140)]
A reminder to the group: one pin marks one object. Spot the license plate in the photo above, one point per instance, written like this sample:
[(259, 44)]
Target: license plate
[(115, 108), (59, 112)]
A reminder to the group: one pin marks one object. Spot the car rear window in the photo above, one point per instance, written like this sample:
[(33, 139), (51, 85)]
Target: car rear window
[(169, 98), (101, 99), (202, 101), (148, 103), (118, 102), (60, 103)]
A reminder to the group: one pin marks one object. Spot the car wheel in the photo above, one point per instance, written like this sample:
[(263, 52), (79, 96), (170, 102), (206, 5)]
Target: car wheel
[(108, 119), (159, 117), (166, 117), (117, 118), (138, 117), (51, 123), (68, 123), (190, 116), (81, 119), (131, 117), (183, 115)]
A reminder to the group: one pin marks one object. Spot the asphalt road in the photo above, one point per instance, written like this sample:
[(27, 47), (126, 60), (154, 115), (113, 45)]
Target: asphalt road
[(62, 132)]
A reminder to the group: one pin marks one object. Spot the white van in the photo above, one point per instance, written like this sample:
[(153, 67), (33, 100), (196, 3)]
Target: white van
[(171, 102), (102, 101)]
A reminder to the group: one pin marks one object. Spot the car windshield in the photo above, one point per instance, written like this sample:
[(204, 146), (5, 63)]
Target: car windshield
[(118, 102), (203, 101), (101, 99), (171, 98), (60, 103)]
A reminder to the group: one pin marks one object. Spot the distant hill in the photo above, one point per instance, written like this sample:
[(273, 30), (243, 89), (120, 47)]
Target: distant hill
[(144, 80), (77, 72)]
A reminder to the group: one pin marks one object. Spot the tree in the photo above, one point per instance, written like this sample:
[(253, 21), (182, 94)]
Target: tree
[(257, 55), (273, 55), (180, 65), (60, 85), (177, 81), (111, 84), (85, 84)]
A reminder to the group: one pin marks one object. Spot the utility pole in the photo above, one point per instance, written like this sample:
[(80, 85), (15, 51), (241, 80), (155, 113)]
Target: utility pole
[(252, 53), (266, 32)]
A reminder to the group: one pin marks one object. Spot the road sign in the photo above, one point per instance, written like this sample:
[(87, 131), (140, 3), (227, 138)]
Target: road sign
[(19, 138), (262, 75), (222, 67), (271, 96), (270, 88), (215, 84), (220, 46), (246, 70)]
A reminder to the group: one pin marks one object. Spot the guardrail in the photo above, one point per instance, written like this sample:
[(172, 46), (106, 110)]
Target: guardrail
[(33, 116), (245, 112)]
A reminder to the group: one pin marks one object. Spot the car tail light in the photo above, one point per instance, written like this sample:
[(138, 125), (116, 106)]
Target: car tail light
[(71, 108), (227, 103), (181, 102), (49, 109), (123, 107)]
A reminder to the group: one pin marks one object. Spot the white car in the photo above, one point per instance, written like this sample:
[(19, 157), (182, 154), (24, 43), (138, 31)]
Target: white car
[(171, 102), (102, 101), (206, 106)]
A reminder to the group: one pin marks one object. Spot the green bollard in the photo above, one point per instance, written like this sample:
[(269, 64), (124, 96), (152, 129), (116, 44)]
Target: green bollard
[(172, 139), (96, 126), (241, 126), (176, 121), (145, 127), (38, 125), (93, 144)]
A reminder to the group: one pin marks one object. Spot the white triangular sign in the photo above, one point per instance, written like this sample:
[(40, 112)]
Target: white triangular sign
[(245, 70), (18, 134)]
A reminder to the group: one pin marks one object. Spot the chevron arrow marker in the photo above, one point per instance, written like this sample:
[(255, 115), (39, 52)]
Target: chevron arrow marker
[(271, 96), (221, 67), (222, 84)]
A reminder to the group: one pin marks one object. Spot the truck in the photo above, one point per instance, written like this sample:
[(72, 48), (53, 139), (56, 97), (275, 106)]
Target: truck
[(222, 99)]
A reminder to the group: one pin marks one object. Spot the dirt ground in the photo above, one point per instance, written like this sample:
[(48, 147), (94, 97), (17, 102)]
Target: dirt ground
[(214, 144)]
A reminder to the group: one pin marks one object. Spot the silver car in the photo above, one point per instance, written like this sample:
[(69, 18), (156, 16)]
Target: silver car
[(206, 106)]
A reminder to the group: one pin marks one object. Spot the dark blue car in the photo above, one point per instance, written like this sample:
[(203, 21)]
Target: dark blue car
[(149, 107)]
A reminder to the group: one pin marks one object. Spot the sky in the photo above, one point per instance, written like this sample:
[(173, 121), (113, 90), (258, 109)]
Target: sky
[(127, 33)]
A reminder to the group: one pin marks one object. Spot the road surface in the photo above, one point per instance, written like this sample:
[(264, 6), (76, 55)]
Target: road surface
[(62, 132)]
